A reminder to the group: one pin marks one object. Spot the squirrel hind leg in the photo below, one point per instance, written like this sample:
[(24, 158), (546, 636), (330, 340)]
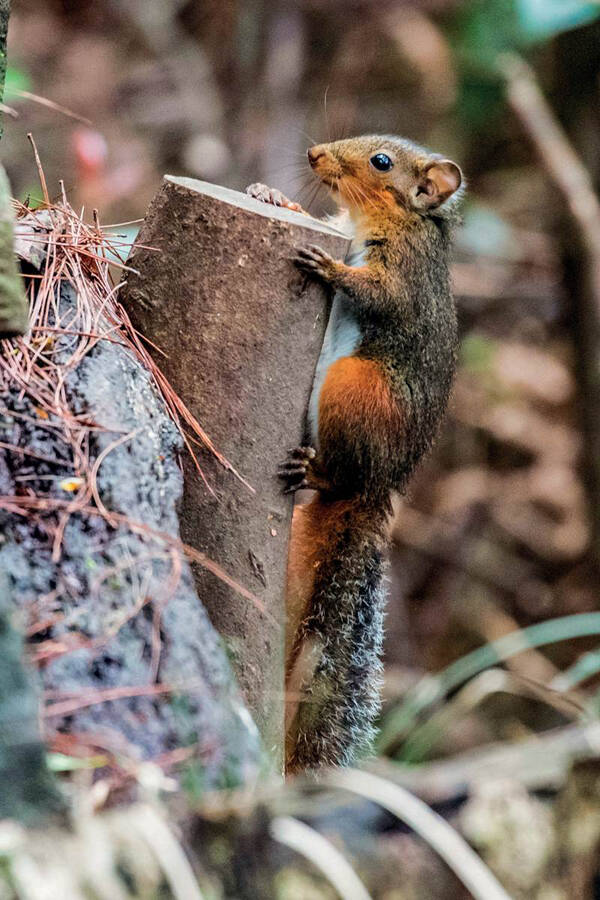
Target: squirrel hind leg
[(302, 470)]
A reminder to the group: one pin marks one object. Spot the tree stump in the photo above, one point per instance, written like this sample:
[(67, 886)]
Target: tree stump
[(242, 330)]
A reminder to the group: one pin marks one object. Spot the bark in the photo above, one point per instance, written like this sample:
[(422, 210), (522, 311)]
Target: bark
[(242, 333)]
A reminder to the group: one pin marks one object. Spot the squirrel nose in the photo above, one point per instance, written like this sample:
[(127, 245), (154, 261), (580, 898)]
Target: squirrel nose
[(314, 155)]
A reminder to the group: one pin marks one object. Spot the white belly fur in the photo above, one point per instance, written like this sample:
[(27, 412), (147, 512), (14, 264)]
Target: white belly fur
[(342, 337)]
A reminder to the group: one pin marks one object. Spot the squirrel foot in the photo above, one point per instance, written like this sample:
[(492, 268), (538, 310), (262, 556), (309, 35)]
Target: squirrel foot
[(315, 261), (299, 471), (273, 196)]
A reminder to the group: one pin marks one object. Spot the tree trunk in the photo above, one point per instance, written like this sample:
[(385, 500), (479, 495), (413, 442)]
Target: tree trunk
[(13, 305), (4, 14), (242, 333)]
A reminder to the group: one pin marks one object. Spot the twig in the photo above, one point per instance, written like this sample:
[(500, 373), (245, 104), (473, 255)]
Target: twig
[(552, 144), (539, 763), (50, 104), (96, 468), (168, 852), (91, 698), (424, 737), (159, 605), (9, 111), (571, 177), (21, 451), (41, 175)]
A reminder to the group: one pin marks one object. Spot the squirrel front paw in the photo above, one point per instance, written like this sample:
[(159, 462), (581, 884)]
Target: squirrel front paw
[(315, 261), (271, 195)]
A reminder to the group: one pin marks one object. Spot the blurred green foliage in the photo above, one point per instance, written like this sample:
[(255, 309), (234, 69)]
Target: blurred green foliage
[(16, 80), (60, 762), (484, 29), (477, 353)]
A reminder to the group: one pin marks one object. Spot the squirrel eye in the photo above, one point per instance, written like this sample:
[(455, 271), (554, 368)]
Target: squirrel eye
[(381, 162)]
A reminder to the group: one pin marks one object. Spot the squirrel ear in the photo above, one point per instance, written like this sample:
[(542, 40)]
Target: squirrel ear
[(440, 179)]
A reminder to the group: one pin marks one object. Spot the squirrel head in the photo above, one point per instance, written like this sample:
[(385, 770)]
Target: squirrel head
[(368, 173)]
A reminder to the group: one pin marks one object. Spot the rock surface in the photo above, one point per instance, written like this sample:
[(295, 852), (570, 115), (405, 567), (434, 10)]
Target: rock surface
[(115, 618)]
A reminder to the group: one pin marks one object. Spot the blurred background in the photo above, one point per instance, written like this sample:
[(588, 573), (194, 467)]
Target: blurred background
[(500, 530)]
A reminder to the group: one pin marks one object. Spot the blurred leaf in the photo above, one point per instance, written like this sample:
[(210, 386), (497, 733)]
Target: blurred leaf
[(479, 32), (486, 29), (481, 101), (583, 668), (16, 80), (30, 197), (477, 353), (541, 19), (193, 780), (483, 29), (58, 762)]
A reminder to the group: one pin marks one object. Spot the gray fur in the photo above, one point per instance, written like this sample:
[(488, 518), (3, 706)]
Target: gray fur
[(335, 722)]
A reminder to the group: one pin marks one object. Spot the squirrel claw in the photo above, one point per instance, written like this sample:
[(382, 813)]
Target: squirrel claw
[(300, 452), (271, 195), (297, 486), (315, 261), (288, 470), (296, 467)]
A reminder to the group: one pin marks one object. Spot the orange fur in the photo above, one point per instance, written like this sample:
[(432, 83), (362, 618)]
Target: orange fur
[(314, 529), (356, 396)]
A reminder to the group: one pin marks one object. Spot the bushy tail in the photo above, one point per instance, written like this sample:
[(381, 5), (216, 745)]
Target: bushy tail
[(334, 669)]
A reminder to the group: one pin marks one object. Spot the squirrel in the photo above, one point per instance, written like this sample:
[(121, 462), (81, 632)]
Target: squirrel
[(381, 387)]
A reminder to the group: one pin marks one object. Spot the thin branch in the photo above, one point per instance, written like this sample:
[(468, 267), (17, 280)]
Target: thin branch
[(560, 159), (50, 104), (573, 180)]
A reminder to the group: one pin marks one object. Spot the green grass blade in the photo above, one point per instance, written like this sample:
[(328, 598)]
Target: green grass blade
[(433, 688)]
